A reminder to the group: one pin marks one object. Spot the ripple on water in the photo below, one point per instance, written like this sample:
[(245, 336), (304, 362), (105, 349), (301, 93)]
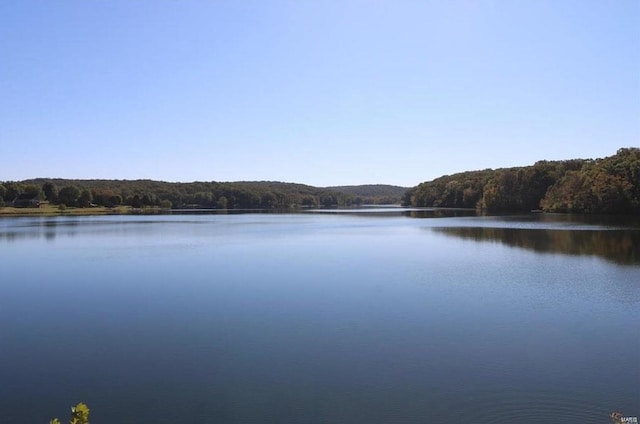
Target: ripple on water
[(529, 407)]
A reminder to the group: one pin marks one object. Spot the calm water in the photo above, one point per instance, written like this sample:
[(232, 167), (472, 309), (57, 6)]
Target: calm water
[(319, 318)]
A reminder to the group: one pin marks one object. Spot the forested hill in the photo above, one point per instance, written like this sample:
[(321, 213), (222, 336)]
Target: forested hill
[(143, 193), (373, 194), (607, 185)]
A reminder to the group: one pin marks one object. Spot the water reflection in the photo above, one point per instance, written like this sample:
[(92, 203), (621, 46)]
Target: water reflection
[(619, 246), (35, 228), (441, 213)]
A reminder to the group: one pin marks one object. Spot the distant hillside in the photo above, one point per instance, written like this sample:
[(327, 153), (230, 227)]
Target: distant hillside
[(373, 194), (608, 185), (222, 195), (142, 193)]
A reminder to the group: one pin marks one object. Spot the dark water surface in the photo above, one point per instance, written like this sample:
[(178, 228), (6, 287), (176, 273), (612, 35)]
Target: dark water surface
[(319, 318)]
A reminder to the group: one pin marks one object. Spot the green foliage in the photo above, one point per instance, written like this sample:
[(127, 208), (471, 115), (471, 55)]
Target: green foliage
[(106, 197), (32, 191), (13, 190), (309, 201), (463, 190), (609, 185), (373, 194), (233, 195), (134, 201), (84, 201), (203, 198), (79, 415), (222, 203), (69, 195), (50, 192)]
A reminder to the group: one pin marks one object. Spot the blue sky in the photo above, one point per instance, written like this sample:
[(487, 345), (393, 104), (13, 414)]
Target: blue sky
[(315, 92)]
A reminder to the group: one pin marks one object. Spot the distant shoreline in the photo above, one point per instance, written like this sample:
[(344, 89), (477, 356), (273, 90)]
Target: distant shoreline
[(52, 210), (609, 185)]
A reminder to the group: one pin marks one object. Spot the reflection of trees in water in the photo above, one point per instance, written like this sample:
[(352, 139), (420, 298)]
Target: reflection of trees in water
[(36, 229), (442, 213), (622, 247), (48, 234)]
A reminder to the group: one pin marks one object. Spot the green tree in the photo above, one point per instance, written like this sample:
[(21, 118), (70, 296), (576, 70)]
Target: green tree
[(31, 191), (203, 198), (85, 199), (609, 185), (222, 203), (309, 201), (268, 200), (13, 190), (3, 192), (148, 199), (69, 195), (328, 200), (50, 192), (135, 202), (107, 198)]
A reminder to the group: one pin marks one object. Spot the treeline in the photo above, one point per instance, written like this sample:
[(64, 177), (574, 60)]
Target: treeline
[(373, 194), (608, 185), (148, 193)]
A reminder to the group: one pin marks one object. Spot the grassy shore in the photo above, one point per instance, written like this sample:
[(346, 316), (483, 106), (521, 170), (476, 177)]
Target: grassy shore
[(47, 209)]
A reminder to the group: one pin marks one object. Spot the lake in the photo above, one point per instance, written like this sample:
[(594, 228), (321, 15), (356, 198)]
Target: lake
[(366, 316)]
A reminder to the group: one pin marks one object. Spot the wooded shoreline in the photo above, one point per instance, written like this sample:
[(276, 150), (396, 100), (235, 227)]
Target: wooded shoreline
[(609, 185)]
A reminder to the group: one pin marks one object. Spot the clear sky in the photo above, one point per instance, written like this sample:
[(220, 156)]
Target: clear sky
[(315, 92)]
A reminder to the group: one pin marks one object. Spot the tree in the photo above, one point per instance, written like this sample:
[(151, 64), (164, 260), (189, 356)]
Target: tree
[(115, 200), (106, 198), (148, 199), (135, 202), (13, 190), (50, 192), (30, 192), (222, 203), (268, 200), (84, 201), (203, 198), (69, 195), (609, 185), (309, 201), (328, 200)]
